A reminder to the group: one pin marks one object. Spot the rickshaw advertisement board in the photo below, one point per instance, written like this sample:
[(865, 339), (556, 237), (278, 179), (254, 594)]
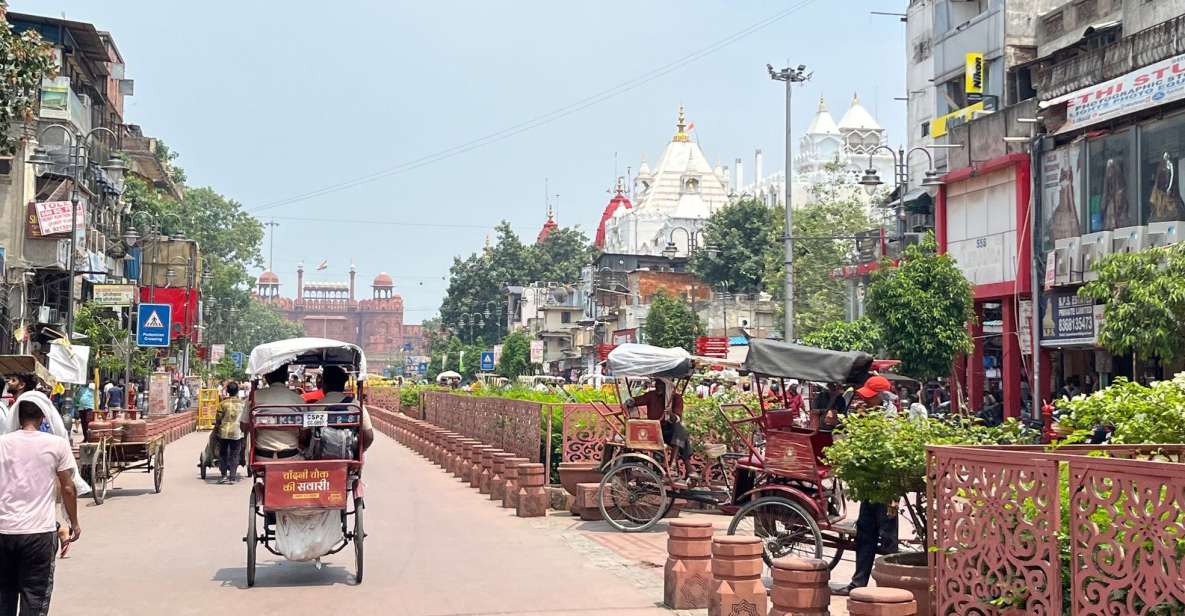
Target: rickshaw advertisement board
[(305, 485)]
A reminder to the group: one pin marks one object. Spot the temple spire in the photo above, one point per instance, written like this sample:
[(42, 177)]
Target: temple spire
[(681, 127)]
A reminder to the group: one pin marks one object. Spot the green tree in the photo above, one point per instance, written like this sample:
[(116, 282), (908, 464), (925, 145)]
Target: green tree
[(516, 356), (560, 256), (922, 308), (670, 322), (741, 237), (25, 60), (108, 340), (1145, 302), (225, 370), (859, 335)]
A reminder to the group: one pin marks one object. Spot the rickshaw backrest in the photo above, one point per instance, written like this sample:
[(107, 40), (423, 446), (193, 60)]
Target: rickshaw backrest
[(779, 420), (796, 454)]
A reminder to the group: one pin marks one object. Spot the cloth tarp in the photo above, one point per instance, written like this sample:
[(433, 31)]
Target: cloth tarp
[(777, 358), (67, 363), (268, 357), (633, 359)]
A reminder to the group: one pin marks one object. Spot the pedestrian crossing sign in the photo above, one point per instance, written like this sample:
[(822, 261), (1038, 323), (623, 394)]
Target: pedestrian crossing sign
[(153, 324)]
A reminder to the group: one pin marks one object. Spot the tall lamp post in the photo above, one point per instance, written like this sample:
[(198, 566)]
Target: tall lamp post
[(78, 157), (790, 76)]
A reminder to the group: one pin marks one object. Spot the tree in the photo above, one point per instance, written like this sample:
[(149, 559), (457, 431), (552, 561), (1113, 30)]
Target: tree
[(859, 335), (670, 322), (560, 257), (1145, 302), (108, 340), (922, 308), (24, 61), (741, 236), (516, 355)]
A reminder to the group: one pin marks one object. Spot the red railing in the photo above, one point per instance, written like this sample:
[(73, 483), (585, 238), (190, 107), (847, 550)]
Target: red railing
[(511, 425), (996, 529)]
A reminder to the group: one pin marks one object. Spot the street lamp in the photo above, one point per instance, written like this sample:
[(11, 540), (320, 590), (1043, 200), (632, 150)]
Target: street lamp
[(790, 77), (871, 179), (78, 161)]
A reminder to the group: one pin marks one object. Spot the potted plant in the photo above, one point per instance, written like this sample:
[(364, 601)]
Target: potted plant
[(882, 459)]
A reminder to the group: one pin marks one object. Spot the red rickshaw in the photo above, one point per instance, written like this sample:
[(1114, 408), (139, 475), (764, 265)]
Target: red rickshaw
[(309, 506)]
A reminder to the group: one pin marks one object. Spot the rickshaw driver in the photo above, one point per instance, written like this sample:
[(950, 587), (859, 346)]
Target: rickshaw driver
[(674, 434), (274, 443), (333, 382)]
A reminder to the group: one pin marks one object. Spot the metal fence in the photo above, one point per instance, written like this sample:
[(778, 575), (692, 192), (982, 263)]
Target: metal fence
[(1004, 521)]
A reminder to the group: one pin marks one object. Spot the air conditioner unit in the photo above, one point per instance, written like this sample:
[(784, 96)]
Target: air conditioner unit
[(1128, 239), (1094, 247), (1165, 233), (1066, 252)]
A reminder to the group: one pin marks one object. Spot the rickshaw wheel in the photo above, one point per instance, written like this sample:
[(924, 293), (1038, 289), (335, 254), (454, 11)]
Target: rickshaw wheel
[(252, 538), (783, 526), (359, 535), (202, 466), (99, 474), (158, 468), (632, 497)]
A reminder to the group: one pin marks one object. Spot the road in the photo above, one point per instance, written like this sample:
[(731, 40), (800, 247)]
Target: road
[(434, 548)]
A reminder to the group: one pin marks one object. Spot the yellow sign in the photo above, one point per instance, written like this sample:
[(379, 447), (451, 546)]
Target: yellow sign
[(974, 74), (940, 125)]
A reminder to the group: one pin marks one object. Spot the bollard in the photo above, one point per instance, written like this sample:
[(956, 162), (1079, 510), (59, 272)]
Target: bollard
[(881, 601), (457, 454), (532, 498), (736, 577), (687, 579), (487, 470), (449, 453), (475, 465), (498, 478), (437, 445), (586, 503), (466, 461), (800, 587), (510, 490)]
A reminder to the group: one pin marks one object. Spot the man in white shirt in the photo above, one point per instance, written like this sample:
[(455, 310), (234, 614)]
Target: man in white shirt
[(35, 467), (333, 382), (275, 443)]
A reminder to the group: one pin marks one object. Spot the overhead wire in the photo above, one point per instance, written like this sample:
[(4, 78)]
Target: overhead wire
[(543, 119)]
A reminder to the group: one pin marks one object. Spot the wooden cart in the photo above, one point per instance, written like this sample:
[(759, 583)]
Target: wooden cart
[(100, 462)]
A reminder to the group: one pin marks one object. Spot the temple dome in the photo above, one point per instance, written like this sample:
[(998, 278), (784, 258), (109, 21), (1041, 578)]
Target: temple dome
[(269, 277), (383, 280), (858, 118)]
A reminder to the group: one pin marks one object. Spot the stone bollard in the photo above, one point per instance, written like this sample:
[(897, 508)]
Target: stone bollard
[(498, 477), (487, 470), (736, 577), (475, 465), (466, 461), (800, 587), (532, 498), (881, 601), (457, 455), (437, 446), (687, 582), (586, 503), (510, 489), (448, 456)]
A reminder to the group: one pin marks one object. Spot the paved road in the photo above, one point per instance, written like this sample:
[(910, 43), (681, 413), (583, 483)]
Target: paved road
[(435, 548)]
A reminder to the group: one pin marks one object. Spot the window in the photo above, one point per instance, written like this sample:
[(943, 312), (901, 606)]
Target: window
[(1054, 24), (1110, 183), (565, 317), (926, 128), (1061, 195), (954, 94), (1162, 159), (1086, 10)]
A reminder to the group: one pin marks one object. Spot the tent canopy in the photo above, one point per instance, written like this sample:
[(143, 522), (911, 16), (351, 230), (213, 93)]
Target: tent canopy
[(314, 351), (643, 360), (776, 358)]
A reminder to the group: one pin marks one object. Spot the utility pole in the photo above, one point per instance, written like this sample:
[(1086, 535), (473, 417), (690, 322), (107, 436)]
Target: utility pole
[(791, 76), (271, 247)]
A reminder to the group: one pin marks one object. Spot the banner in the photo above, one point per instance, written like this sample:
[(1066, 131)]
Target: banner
[(973, 77), (217, 352), (47, 218), (1150, 86), (158, 393), (536, 351)]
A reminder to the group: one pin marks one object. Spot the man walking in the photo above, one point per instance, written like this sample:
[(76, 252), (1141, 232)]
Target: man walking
[(230, 434), (35, 466)]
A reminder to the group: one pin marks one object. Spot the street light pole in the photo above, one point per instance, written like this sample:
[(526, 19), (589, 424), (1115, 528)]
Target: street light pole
[(791, 77)]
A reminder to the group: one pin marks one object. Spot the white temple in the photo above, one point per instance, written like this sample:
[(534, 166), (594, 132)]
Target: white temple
[(671, 202), (847, 144)]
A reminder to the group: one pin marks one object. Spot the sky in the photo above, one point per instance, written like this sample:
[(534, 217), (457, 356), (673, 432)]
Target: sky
[(462, 114)]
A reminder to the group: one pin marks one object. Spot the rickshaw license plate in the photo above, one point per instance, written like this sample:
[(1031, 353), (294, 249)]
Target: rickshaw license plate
[(316, 419)]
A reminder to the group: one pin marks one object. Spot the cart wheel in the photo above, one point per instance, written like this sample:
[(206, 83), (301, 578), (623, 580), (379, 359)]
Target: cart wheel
[(359, 535), (158, 468), (632, 497), (252, 538), (783, 525), (100, 469)]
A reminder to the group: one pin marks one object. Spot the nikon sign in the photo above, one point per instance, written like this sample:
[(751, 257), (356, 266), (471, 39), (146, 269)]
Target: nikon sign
[(973, 77)]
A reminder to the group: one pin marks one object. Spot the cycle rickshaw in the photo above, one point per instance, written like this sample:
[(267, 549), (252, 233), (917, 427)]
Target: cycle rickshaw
[(307, 507), (780, 488)]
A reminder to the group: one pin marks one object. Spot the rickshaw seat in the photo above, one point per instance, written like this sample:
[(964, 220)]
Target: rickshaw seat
[(779, 419), (751, 461)]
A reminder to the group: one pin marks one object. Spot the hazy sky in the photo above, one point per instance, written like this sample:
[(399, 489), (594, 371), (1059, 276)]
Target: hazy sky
[(268, 101)]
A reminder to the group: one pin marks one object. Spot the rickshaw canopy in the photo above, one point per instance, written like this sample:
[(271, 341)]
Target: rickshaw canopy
[(322, 351), (644, 360), (805, 363)]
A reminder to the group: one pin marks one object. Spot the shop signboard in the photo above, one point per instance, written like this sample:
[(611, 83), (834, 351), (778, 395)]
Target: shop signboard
[(1024, 326), (1153, 85), (1068, 320), (114, 294), (973, 77), (536, 351)]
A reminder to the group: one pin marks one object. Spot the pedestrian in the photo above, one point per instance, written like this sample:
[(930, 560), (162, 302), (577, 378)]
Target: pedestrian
[(230, 434), (828, 406), (116, 396), (103, 401), (36, 466), (84, 402)]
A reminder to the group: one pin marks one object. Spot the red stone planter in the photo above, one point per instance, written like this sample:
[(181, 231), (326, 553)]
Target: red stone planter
[(572, 473), (909, 571)]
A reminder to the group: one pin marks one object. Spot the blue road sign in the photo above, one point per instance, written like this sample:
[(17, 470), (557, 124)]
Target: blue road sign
[(237, 357), (153, 324), (487, 361), (422, 368)]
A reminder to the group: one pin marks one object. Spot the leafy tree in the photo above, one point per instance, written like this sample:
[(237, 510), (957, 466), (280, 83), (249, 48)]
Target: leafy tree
[(670, 322), (108, 340), (516, 355), (740, 236), (1145, 302), (560, 257), (25, 60), (225, 370), (859, 335), (922, 308)]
